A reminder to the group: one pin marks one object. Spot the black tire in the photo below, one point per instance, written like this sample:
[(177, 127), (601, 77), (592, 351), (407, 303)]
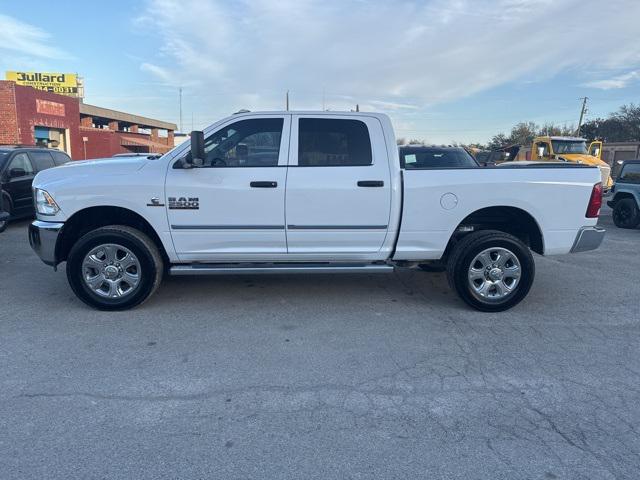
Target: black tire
[(145, 251), (5, 208), (626, 214), (434, 266), (7, 205), (472, 245)]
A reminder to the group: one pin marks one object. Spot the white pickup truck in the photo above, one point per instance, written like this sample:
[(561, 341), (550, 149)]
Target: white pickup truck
[(291, 192)]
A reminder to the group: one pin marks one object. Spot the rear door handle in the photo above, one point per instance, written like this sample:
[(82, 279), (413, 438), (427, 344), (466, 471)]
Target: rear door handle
[(370, 183), (263, 184)]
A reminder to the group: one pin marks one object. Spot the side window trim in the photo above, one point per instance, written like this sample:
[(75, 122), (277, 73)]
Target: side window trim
[(626, 173), (29, 161), (294, 143), (284, 147)]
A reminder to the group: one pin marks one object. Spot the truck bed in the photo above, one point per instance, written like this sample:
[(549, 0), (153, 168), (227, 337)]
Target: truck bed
[(436, 202)]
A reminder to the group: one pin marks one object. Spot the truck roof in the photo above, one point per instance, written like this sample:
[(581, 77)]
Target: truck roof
[(309, 112), (569, 139)]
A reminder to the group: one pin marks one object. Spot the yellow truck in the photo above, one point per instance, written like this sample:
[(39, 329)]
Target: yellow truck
[(572, 149)]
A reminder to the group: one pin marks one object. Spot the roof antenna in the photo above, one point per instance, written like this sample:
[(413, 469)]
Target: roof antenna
[(287, 100)]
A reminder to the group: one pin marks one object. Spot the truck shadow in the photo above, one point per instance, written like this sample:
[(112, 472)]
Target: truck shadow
[(403, 286)]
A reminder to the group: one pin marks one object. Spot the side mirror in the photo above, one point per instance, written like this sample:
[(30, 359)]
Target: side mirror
[(541, 152), (197, 148), (17, 172)]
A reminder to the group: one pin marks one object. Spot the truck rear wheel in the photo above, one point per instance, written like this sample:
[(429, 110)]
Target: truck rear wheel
[(114, 268), (490, 270), (625, 213)]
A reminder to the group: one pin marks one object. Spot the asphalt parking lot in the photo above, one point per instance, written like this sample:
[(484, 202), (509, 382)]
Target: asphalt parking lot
[(325, 377)]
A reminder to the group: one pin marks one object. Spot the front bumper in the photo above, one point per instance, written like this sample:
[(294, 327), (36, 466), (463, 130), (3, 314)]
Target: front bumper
[(43, 237), (588, 238)]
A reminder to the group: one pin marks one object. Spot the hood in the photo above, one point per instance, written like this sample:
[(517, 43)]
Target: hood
[(604, 167), (77, 169), (583, 158)]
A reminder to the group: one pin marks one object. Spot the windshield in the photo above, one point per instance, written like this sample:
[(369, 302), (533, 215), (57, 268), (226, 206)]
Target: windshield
[(567, 146)]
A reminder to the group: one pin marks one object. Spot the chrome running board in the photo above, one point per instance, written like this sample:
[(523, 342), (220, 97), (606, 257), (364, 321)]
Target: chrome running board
[(276, 268)]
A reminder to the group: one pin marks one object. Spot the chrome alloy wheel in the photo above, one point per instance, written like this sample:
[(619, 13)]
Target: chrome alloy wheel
[(111, 271), (494, 274)]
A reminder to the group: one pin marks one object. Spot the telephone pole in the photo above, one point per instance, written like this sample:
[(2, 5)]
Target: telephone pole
[(180, 100), (582, 112)]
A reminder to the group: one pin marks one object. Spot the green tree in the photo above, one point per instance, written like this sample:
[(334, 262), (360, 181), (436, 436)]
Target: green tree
[(498, 141), (559, 130), (523, 133), (620, 126)]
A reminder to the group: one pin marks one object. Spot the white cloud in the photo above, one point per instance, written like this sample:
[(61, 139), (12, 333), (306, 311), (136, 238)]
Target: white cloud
[(160, 73), (389, 56), (25, 39), (618, 81)]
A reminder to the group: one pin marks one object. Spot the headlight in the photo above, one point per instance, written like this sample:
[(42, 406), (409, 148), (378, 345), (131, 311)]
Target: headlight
[(45, 204)]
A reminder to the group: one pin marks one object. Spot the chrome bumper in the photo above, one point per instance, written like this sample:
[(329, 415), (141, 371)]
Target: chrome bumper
[(588, 238), (43, 237)]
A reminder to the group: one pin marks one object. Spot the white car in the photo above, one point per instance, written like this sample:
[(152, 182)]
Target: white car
[(290, 192)]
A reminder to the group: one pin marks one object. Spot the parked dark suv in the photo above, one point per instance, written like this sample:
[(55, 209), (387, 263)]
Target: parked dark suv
[(18, 166), (626, 196)]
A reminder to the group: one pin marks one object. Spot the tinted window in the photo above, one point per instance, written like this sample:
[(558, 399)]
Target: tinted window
[(630, 173), (326, 142), (42, 160), (414, 159), (247, 143), (22, 162), (563, 146), (59, 158)]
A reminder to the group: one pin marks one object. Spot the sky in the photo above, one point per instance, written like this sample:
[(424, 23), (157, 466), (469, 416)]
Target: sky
[(445, 71)]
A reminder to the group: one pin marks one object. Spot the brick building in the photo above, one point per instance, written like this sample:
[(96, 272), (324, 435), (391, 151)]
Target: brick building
[(35, 117)]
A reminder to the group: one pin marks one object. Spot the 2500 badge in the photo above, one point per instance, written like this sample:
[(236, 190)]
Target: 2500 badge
[(184, 203)]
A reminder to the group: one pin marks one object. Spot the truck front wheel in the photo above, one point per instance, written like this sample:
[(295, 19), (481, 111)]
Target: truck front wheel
[(114, 268), (490, 270)]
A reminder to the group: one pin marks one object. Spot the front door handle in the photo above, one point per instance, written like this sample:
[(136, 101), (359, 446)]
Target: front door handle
[(370, 183), (263, 184)]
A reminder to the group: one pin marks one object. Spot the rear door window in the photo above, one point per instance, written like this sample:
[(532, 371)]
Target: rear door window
[(42, 160), (60, 158), (324, 142), (630, 173)]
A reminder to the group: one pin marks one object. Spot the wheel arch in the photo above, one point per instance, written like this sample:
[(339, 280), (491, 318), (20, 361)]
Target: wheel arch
[(90, 218), (508, 219), (625, 194)]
